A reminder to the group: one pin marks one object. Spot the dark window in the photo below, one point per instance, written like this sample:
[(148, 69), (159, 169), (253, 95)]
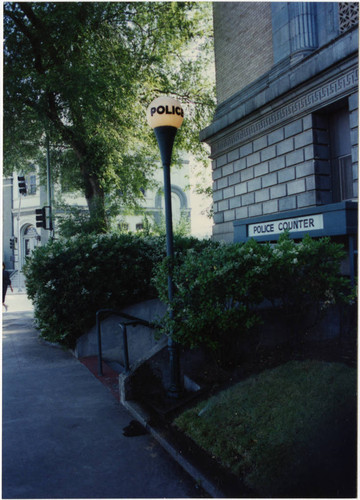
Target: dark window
[(332, 149), (27, 248), (139, 226), (342, 173), (32, 184), (340, 155), (123, 226)]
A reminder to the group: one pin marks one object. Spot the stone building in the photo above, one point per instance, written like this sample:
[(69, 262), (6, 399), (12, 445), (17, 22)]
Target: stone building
[(284, 138)]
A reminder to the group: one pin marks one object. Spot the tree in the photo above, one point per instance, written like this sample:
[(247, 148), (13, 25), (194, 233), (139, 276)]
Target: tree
[(84, 72)]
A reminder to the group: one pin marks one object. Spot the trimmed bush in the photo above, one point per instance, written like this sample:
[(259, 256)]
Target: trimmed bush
[(218, 292), (215, 291), (69, 280), (304, 276), (218, 288)]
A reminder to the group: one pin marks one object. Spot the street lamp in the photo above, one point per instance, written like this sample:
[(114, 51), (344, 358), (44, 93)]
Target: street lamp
[(165, 115)]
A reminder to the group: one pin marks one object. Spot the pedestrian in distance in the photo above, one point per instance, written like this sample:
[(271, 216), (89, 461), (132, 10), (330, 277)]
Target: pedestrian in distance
[(6, 282)]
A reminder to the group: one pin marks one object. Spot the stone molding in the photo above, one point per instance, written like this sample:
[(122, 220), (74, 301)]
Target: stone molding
[(327, 92)]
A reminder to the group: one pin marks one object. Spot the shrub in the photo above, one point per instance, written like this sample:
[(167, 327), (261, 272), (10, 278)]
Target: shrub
[(68, 281), (218, 287), (218, 291), (303, 279), (215, 293)]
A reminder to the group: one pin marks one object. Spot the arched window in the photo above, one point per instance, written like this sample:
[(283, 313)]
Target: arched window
[(179, 203), (30, 241), (30, 232)]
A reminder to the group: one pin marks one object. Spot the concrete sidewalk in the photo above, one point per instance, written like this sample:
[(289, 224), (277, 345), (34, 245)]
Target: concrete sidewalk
[(63, 430)]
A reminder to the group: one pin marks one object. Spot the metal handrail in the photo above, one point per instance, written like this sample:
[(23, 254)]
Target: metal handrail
[(131, 320)]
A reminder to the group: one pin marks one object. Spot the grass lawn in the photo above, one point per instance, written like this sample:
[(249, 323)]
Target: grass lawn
[(287, 432)]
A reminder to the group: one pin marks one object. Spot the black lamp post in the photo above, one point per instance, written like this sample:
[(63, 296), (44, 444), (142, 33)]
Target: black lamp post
[(165, 116)]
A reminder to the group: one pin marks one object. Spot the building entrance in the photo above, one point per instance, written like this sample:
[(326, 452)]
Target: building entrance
[(31, 240)]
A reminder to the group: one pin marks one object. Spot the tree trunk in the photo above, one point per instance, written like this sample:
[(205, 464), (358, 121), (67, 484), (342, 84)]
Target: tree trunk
[(94, 193), (95, 198)]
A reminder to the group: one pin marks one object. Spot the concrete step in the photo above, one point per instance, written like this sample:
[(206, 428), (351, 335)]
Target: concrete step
[(114, 365)]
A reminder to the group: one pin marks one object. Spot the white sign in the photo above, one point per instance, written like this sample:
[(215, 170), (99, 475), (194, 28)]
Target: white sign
[(308, 223), (165, 111)]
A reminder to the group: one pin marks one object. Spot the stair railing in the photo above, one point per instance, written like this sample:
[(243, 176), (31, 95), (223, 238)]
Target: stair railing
[(128, 320)]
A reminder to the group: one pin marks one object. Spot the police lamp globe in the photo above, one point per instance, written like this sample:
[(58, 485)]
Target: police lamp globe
[(165, 112)]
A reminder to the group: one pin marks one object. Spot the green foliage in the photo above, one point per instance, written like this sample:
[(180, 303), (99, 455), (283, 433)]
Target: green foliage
[(215, 291), (218, 291), (69, 280), (75, 221), (287, 432), (210, 287), (85, 72), (303, 279), (151, 227)]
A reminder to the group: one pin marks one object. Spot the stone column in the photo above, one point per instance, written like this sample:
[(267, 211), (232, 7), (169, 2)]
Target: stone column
[(303, 37)]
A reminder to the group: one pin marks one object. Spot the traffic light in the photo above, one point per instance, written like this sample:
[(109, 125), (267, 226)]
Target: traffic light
[(12, 243), (22, 184), (40, 217), (43, 218)]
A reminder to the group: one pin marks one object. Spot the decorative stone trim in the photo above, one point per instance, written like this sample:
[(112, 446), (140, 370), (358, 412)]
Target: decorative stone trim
[(348, 15), (309, 101)]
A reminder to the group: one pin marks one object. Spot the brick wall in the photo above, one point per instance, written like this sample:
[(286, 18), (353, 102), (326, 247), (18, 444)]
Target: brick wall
[(273, 173), (289, 166), (243, 45)]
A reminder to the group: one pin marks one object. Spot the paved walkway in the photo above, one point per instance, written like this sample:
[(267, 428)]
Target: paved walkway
[(62, 429)]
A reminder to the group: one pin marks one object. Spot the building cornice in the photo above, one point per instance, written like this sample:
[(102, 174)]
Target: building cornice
[(255, 109), (296, 105)]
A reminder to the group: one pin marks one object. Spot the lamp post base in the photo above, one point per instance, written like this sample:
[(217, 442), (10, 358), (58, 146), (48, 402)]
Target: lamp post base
[(175, 390), (173, 393)]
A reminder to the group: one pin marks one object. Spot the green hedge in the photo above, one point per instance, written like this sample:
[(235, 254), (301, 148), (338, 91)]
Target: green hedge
[(69, 280), (218, 292), (218, 287)]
